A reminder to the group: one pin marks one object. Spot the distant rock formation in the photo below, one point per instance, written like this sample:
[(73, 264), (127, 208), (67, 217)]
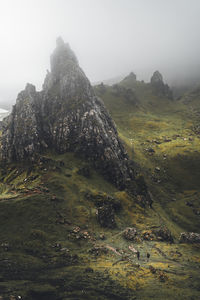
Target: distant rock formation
[(65, 116), (159, 87), (131, 77)]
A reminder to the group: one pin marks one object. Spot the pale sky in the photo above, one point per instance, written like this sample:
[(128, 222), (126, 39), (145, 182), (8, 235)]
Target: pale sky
[(109, 37)]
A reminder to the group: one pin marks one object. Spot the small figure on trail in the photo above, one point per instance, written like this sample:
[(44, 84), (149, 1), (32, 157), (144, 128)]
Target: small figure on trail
[(148, 256), (138, 255)]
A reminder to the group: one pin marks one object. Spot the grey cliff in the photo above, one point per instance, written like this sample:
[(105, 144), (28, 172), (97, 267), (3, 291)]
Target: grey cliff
[(65, 116)]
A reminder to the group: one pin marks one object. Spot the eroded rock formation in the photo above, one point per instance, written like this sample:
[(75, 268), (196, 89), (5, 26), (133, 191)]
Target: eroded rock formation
[(65, 116), (159, 87)]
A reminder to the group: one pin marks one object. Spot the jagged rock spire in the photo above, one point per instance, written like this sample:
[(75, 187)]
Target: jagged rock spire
[(66, 116), (159, 87), (156, 78)]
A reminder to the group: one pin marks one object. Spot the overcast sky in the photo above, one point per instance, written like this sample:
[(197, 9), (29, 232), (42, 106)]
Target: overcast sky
[(109, 37)]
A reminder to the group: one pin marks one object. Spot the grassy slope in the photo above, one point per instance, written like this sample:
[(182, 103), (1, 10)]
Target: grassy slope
[(42, 205), (166, 127)]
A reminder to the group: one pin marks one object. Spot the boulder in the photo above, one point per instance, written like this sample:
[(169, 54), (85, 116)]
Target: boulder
[(189, 237), (163, 234), (130, 233)]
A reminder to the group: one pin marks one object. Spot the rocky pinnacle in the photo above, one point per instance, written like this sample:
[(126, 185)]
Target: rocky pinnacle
[(65, 116)]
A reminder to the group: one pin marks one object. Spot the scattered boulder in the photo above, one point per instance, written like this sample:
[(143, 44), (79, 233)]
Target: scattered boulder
[(77, 234), (148, 235), (189, 237), (188, 203), (196, 212), (102, 236), (150, 150), (98, 250), (163, 234), (5, 246), (167, 140), (130, 233)]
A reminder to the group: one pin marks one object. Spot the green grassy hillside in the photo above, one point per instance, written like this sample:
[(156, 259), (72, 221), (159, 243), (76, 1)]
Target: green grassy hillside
[(52, 245)]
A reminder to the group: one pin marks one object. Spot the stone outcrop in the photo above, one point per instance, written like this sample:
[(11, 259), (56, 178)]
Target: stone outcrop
[(189, 237), (65, 116), (131, 77), (159, 87)]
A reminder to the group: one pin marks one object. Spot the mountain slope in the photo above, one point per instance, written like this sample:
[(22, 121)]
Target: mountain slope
[(66, 232)]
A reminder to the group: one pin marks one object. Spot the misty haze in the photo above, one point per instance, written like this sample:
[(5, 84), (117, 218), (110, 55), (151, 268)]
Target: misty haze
[(99, 149), (110, 38)]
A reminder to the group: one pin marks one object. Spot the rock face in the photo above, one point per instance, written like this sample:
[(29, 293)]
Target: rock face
[(189, 237), (130, 233), (159, 87), (65, 116)]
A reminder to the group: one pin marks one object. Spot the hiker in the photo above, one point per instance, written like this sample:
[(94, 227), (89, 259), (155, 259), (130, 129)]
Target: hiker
[(148, 256), (138, 255)]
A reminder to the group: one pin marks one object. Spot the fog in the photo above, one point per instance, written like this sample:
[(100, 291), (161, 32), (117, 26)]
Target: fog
[(110, 38)]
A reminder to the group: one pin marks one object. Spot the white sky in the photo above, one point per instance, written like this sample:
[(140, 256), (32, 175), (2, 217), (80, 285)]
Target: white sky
[(109, 37)]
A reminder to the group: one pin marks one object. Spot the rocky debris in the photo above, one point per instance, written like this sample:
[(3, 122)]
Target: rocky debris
[(196, 212), (130, 233), (5, 246), (189, 237), (188, 203), (102, 236), (66, 116), (151, 151), (163, 234), (98, 250), (167, 140), (148, 235), (159, 87), (105, 216), (78, 234)]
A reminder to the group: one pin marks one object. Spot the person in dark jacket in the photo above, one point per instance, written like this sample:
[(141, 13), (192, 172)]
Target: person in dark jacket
[(148, 256)]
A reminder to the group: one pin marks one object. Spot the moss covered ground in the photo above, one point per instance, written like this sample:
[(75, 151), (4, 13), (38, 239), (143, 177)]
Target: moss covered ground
[(51, 244)]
